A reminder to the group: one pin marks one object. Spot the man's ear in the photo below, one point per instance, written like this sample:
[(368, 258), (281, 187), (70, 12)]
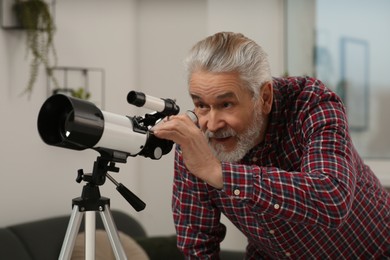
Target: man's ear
[(266, 95)]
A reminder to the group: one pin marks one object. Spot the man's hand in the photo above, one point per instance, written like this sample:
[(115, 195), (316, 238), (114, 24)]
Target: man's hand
[(196, 152)]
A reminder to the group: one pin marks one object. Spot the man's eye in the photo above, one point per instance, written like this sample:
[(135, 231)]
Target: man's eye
[(201, 106), (227, 105)]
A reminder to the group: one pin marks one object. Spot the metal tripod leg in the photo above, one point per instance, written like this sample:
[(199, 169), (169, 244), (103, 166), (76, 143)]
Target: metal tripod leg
[(74, 226), (71, 233), (90, 235), (112, 234)]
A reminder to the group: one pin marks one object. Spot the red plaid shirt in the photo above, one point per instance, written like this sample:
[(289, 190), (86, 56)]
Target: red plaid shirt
[(303, 193)]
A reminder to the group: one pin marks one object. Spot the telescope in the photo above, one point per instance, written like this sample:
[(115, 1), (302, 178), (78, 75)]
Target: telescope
[(78, 124)]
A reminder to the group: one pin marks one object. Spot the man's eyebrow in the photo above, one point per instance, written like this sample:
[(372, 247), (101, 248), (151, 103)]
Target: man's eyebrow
[(222, 96), (227, 95), (195, 97)]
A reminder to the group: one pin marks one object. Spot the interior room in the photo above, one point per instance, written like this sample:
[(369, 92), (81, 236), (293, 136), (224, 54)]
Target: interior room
[(109, 48)]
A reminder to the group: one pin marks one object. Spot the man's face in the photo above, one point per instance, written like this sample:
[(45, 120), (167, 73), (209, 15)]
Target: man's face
[(227, 113)]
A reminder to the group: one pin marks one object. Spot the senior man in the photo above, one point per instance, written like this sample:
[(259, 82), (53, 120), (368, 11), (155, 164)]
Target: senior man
[(273, 155)]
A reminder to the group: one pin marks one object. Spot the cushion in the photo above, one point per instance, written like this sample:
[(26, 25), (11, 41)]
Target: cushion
[(161, 247), (11, 247), (103, 249)]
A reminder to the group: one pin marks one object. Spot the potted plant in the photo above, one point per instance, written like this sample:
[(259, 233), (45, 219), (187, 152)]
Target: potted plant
[(34, 16), (80, 93)]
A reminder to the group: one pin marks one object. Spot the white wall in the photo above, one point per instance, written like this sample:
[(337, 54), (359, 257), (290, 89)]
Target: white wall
[(141, 45), (300, 31)]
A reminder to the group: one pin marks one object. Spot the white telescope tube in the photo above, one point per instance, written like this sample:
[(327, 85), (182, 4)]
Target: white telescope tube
[(154, 103), (118, 134)]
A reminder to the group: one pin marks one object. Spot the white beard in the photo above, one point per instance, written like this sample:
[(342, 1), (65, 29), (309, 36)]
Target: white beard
[(245, 140)]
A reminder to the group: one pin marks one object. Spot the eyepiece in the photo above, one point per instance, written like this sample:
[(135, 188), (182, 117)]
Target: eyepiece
[(165, 106), (136, 98)]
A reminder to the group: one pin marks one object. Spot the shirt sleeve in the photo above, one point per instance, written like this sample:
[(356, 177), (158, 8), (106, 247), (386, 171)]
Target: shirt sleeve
[(197, 222), (321, 189)]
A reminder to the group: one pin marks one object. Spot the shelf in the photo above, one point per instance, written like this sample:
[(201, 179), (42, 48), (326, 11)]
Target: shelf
[(68, 80)]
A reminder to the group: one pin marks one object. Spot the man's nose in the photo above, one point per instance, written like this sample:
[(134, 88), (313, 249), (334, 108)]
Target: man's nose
[(214, 121)]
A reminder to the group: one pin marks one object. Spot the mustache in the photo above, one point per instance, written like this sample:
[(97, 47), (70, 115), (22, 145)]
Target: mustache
[(220, 133)]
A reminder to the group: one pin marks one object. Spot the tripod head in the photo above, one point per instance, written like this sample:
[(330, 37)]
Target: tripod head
[(106, 163)]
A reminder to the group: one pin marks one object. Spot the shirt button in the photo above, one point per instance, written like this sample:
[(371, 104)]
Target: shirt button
[(276, 206), (254, 159), (272, 232), (236, 192), (288, 254)]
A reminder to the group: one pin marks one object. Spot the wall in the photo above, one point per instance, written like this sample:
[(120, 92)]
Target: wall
[(140, 44), (300, 37)]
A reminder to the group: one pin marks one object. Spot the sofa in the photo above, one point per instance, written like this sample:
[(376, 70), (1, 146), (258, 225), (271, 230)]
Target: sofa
[(42, 239)]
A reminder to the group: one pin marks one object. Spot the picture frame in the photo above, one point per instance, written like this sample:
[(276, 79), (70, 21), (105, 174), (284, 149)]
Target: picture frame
[(354, 84)]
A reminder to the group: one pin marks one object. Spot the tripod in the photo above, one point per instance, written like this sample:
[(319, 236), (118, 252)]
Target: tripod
[(91, 202)]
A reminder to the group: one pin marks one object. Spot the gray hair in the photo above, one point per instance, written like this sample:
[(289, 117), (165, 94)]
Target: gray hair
[(231, 52)]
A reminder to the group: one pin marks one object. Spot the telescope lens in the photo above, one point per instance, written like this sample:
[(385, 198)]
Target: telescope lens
[(70, 122), (65, 128)]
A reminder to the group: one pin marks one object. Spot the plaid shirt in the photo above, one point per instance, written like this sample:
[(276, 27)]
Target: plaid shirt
[(303, 193)]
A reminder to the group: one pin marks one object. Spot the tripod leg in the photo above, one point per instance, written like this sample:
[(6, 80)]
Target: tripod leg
[(71, 233), (90, 235), (112, 234)]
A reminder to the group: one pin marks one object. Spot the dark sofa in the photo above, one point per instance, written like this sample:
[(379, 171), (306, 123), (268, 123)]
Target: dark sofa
[(42, 239)]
